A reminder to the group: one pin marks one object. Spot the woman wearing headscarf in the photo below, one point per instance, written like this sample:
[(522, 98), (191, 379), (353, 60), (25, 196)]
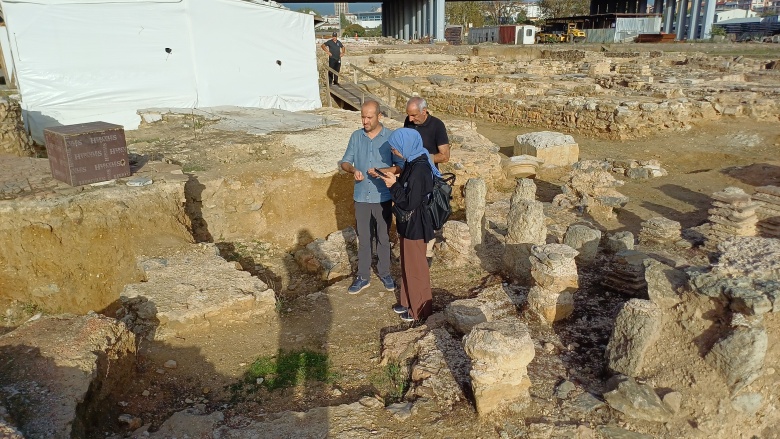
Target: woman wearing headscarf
[(410, 192)]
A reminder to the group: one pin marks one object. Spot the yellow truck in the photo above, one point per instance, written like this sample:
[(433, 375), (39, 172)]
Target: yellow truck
[(554, 34)]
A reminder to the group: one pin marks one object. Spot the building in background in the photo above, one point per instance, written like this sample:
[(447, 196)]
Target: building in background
[(369, 20), (340, 8)]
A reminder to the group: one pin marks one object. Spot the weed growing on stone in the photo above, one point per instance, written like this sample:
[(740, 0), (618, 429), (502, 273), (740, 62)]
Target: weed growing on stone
[(391, 383)]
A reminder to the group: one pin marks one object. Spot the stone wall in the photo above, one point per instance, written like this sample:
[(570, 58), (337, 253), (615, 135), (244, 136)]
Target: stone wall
[(13, 138), (606, 117)]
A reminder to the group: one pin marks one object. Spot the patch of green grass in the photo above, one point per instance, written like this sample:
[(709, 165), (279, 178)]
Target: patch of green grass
[(392, 383), (289, 369), (192, 167)]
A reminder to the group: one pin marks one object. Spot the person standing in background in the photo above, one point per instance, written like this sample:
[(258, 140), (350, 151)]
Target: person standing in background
[(335, 50)]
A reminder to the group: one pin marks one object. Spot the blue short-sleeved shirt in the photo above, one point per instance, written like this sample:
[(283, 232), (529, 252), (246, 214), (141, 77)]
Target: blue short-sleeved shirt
[(365, 153)]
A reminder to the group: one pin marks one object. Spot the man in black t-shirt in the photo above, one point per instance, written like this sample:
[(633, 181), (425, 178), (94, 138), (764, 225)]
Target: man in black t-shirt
[(434, 137), (335, 50)]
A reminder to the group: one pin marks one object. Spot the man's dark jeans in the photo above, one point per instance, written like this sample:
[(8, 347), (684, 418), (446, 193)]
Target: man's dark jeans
[(334, 64)]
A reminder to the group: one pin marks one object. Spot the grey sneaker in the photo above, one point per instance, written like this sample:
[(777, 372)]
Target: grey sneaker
[(358, 285), (388, 282), (399, 309), (406, 316)]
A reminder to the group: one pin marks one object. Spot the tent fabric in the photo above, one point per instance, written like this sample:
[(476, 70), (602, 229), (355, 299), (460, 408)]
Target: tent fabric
[(85, 60)]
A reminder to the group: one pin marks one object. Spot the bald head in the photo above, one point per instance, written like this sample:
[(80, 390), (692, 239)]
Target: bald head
[(369, 116), (370, 105)]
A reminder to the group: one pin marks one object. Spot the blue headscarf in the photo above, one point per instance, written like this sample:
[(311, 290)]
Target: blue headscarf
[(409, 143)]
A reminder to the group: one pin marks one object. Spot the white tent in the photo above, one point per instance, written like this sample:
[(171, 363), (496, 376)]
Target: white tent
[(79, 61)]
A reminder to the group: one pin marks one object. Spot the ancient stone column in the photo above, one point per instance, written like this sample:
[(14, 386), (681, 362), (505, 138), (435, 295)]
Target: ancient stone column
[(525, 189), (456, 249), (500, 352), (637, 327), (526, 229), (476, 190), (555, 273)]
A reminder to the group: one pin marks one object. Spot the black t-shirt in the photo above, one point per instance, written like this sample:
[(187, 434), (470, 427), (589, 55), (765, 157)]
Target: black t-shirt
[(335, 48), (432, 131)]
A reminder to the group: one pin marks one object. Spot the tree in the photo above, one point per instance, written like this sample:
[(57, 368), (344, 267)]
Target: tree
[(564, 8), (344, 21), (308, 11), (499, 12), (353, 29), (465, 14)]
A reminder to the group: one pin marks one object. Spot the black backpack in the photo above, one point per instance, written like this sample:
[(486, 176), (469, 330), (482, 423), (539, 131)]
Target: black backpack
[(439, 199)]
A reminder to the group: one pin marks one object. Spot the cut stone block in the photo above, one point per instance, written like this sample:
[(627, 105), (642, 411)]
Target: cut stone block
[(556, 149)]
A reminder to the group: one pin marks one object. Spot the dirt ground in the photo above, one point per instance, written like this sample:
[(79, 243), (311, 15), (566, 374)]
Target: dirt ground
[(322, 317)]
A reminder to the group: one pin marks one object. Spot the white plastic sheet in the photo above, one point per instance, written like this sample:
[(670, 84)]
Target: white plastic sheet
[(86, 60)]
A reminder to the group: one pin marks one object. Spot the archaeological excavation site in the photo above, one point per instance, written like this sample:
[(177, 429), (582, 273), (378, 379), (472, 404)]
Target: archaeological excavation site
[(611, 268)]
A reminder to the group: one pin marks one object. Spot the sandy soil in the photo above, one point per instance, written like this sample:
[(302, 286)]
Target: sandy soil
[(322, 317)]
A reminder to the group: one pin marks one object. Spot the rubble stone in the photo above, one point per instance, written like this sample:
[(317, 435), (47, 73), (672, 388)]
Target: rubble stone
[(739, 356), (659, 230), (636, 400), (500, 352), (585, 240), (333, 257), (768, 211), (663, 283), (619, 241), (637, 327), (627, 275), (590, 187), (491, 304), (57, 368)]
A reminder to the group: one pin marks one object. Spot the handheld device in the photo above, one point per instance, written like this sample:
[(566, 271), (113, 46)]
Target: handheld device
[(378, 171)]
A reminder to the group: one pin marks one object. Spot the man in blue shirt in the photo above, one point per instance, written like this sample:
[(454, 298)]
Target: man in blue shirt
[(368, 150)]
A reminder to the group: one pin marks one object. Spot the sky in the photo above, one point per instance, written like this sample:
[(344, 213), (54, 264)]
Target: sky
[(327, 8)]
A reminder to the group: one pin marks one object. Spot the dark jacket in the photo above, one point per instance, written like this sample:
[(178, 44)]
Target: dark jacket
[(410, 193)]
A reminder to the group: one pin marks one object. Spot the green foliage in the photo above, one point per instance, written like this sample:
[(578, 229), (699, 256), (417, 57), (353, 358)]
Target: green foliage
[(718, 30), (392, 383), (564, 8), (464, 14), (353, 29), (192, 167), (289, 369), (308, 10), (344, 22), (286, 369)]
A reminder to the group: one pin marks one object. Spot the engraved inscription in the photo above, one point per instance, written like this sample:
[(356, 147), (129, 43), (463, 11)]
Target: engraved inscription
[(79, 170), (83, 155), (101, 139), (113, 151), (75, 142), (114, 164)]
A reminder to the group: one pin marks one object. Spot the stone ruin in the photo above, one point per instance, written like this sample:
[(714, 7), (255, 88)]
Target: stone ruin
[(733, 213), (590, 187), (555, 274), (14, 139), (768, 211), (552, 149)]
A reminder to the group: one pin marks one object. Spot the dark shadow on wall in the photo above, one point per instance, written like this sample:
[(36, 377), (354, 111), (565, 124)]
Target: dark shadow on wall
[(340, 192), (193, 191)]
